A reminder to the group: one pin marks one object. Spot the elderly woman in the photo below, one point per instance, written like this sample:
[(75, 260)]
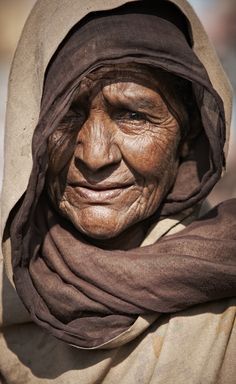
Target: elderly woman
[(127, 108)]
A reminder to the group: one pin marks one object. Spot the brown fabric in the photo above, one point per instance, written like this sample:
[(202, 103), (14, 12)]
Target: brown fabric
[(85, 295)]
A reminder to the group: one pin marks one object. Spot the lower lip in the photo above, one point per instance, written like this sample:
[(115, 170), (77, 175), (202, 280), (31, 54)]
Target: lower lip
[(99, 196)]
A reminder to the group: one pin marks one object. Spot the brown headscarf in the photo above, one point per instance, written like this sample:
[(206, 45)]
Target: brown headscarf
[(85, 295)]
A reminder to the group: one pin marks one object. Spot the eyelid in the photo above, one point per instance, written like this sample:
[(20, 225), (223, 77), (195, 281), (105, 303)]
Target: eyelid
[(124, 111), (132, 107), (70, 121), (75, 109), (74, 112)]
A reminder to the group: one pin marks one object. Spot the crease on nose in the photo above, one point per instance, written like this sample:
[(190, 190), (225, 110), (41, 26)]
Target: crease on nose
[(96, 148)]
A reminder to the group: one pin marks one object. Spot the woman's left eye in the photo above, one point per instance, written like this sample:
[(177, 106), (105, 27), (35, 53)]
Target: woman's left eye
[(136, 116), (131, 115)]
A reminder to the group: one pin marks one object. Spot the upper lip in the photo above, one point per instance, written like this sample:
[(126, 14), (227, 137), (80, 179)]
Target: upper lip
[(101, 187)]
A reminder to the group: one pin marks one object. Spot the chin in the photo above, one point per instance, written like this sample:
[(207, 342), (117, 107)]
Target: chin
[(97, 222)]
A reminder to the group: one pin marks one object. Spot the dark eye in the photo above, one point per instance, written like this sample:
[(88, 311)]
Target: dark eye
[(72, 117), (131, 115), (136, 116)]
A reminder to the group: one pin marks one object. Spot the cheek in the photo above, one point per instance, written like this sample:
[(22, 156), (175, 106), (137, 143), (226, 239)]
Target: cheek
[(60, 154), (150, 156)]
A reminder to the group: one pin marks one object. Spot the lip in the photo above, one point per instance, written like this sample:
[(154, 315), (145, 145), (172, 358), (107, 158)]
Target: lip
[(100, 193), (96, 186)]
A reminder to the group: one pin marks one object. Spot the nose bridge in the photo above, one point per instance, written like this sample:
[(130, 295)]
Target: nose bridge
[(96, 147), (100, 134)]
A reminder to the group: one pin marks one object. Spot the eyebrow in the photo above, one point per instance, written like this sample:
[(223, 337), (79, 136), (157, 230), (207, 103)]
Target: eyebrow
[(143, 102), (131, 101)]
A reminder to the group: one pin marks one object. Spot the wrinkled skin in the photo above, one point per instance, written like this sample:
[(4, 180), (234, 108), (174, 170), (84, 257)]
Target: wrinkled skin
[(115, 154)]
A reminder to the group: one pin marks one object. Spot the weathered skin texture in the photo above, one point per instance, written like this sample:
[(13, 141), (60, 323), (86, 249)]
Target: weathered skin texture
[(115, 154)]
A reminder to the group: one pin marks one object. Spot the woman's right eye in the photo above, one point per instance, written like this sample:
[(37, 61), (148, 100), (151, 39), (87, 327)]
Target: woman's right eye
[(74, 114), (72, 117)]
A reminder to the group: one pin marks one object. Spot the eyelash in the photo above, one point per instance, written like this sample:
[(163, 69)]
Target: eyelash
[(71, 118), (130, 115)]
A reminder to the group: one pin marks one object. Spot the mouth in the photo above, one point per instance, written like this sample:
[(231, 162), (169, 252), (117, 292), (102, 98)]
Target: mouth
[(95, 194)]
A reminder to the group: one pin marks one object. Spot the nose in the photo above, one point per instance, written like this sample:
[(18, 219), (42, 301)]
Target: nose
[(96, 147)]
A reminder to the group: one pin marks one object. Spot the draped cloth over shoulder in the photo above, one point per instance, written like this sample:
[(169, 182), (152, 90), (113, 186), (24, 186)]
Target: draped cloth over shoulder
[(87, 296)]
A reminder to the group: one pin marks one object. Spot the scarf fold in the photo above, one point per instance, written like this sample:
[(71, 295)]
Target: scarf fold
[(84, 295), (87, 296)]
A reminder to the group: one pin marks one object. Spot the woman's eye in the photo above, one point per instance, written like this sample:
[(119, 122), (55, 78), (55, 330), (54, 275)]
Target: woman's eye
[(131, 115), (137, 116), (72, 117)]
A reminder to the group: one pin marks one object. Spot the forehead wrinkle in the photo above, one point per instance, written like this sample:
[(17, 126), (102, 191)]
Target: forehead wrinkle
[(135, 88), (133, 94), (86, 92), (138, 73)]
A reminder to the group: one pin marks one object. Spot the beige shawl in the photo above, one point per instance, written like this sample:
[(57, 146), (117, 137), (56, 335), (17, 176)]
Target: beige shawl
[(202, 337)]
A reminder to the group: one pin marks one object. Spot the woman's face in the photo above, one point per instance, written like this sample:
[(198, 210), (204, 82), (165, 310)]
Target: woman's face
[(115, 154)]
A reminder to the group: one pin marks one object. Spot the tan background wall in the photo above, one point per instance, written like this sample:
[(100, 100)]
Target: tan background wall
[(13, 14)]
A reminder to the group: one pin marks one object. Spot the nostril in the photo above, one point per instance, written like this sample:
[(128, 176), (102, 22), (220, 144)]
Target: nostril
[(95, 174)]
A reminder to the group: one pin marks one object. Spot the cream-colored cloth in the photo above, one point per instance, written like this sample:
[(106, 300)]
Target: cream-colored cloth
[(194, 346)]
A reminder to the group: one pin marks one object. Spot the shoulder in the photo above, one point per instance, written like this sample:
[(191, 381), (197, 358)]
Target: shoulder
[(200, 343)]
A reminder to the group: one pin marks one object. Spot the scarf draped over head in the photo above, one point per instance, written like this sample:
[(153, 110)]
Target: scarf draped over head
[(85, 295)]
